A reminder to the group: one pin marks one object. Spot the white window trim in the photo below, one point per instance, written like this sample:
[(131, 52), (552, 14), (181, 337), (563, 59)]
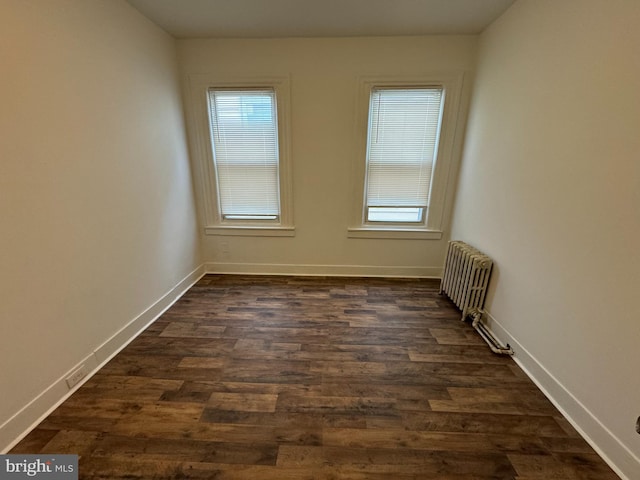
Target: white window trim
[(214, 224), (446, 164)]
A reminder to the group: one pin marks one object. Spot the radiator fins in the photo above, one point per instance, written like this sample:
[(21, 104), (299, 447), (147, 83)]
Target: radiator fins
[(466, 276), (465, 281)]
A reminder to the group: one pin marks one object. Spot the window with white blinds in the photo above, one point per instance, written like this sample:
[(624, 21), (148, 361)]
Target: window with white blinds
[(402, 144), (244, 140)]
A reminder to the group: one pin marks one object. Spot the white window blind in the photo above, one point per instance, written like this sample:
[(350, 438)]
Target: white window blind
[(244, 139), (404, 126)]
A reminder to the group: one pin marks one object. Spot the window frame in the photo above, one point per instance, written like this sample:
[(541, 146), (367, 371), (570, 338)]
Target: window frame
[(447, 155), (214, 222)]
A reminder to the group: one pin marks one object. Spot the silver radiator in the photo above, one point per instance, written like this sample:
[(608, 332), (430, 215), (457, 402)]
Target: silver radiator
[(465, 281), (466, 276)]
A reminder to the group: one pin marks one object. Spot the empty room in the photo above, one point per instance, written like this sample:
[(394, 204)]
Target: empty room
[(239, 238)]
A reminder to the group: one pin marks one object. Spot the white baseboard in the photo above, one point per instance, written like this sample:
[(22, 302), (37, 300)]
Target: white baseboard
[(323, 270), (25, 420), (613, 451)]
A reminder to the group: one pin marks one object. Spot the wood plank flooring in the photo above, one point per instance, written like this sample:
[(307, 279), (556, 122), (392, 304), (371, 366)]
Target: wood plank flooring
[(313, 378)]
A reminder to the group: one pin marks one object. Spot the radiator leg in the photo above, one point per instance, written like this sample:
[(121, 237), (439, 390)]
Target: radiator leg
[(494, 345)]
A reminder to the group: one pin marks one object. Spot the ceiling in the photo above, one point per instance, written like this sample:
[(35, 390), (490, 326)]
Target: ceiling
[(319, 18)]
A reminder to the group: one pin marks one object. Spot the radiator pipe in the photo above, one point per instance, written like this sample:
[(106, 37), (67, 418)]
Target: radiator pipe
[(487, 336)]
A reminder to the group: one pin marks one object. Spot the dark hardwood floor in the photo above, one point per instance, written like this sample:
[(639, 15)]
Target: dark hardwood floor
[(313, 378)]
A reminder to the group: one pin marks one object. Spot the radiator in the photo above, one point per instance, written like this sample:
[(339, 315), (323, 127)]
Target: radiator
[(465, 281), (466, 277)]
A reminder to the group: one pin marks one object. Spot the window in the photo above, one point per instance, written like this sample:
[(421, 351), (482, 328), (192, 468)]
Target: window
[(404, 124), (404, 165), (242, 139)]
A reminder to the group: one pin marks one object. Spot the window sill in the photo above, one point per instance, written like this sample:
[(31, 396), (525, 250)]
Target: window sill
[(250, 231), (394, 233)]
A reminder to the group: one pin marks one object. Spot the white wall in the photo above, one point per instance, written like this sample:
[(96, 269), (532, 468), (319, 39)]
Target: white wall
[(550, 188), (96, 204), (324, 86)]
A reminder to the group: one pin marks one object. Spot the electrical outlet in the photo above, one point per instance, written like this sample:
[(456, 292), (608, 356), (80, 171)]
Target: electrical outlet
[(224, 250), (78, 374)]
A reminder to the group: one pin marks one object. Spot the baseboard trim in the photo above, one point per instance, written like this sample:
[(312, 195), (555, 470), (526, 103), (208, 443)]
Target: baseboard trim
[(26, 419), (323, 270), (612, 450)]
